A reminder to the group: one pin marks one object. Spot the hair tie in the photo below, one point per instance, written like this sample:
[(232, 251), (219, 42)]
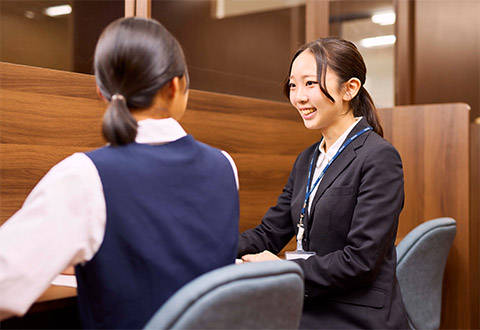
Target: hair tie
[(117, 96)]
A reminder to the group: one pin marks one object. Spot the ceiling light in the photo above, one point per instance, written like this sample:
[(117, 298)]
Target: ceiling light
[(385, 18), (58, 10), (378, 41)]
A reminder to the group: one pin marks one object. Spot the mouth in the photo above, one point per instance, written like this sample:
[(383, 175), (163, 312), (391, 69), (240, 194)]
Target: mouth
[(307, 112)]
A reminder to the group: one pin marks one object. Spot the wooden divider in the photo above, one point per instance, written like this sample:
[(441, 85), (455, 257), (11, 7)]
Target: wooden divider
[(46, 115), (475, 220), (433, 141)]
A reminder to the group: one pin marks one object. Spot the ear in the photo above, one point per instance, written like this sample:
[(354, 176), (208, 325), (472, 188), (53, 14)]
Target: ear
[(352, 86), (100, 95), (173, 87)]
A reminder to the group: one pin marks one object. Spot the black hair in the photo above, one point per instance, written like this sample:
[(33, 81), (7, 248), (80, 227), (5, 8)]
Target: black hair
[(134, 58), (345, 60)]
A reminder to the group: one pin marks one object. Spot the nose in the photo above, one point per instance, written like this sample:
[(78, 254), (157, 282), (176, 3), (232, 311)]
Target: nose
[(298, 96), (301, 97)]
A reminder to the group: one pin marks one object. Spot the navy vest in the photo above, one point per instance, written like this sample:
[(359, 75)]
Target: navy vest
[(172, 215)]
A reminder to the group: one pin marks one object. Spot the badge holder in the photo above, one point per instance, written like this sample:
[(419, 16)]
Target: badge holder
[(299, 253)]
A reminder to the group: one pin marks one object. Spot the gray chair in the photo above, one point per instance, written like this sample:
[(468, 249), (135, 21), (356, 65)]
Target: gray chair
[(264, 295), (421, 259)]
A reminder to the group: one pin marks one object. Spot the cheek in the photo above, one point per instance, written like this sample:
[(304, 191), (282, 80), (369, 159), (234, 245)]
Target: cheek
[(291, 97)]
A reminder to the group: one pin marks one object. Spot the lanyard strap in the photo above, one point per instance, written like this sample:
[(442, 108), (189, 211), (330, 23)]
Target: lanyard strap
[(310, 190), (301, 227)]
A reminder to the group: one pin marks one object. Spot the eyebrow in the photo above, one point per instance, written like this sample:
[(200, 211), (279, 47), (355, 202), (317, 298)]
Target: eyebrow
[(306, 76)]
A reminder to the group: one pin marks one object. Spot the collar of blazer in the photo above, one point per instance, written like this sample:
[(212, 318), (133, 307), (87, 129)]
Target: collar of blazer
[(342, 161)]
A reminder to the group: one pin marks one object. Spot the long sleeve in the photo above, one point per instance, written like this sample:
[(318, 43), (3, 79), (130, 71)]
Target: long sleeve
[(276, 228), (61, 223), (372, 232)]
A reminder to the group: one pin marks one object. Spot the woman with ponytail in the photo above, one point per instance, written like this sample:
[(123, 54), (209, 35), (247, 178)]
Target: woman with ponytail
[(342, 199), (138, 218)]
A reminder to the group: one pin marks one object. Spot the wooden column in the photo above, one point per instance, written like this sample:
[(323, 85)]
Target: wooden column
[(317, 19), (144, 8), (404, 52), (140, 8), (129, 8), (475, 222)]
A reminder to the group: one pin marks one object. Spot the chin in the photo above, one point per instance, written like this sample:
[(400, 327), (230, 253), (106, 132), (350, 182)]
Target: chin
[(311, 125)]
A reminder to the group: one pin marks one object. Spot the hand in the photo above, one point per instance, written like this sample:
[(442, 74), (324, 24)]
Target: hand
[(259, 257)]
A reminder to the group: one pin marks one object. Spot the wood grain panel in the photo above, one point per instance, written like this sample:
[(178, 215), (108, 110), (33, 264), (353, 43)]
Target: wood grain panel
[(53, 82), (475, 219), (129, 8), (238, 133), (317, 19), (47, 115), (404, 52), (447, 50), (46, 119), (21, 167), (406, 135), (433, 141), (246, 106)]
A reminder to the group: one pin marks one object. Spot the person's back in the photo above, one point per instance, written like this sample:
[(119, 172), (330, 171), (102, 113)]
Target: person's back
[(169, 219), (138, 218)]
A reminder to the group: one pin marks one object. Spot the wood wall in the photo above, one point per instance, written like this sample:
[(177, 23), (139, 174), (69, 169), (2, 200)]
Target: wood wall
[(475, 219), (438, 52), (46, 115), (433, 141)]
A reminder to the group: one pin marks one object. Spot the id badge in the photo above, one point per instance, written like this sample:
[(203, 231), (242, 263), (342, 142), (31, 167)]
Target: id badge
[(291, 255)]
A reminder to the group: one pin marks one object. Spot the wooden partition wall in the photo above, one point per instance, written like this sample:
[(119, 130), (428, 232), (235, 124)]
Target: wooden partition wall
[(46, 115), (433, 141)]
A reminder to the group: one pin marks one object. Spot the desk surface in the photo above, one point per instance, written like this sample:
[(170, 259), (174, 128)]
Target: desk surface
[(55, 292)]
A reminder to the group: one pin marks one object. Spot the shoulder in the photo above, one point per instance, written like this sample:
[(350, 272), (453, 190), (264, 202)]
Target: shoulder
[(75, 165), (212, 151), (379, 157), (378, 149)]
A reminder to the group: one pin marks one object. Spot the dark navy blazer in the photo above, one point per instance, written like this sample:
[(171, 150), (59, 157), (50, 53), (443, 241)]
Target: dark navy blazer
[(352, 225)]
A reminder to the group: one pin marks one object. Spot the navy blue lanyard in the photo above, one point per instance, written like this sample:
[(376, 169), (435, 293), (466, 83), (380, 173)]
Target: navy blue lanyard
[(310, 190)]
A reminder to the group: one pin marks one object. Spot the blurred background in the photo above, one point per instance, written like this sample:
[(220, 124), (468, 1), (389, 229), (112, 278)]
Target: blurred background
[(418, 51)]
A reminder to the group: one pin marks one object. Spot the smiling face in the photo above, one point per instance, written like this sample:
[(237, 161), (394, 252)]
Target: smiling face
[(315, 108)]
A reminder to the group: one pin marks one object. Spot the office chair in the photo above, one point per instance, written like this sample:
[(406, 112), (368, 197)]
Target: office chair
[(263, 295), (421, 259)]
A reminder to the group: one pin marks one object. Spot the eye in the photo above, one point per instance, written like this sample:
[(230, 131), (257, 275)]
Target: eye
[(291, 85), (311, 83)]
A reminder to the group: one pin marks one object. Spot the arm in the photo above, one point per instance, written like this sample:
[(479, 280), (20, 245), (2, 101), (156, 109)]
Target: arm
[(372, 231), (61, 223), (276, 228), (234, 167)]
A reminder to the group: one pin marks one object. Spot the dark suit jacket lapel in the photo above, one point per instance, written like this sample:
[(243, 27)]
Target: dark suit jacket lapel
[(342, 162)]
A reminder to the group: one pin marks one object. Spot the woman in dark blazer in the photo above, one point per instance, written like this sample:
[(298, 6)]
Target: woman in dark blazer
[(349, 188)]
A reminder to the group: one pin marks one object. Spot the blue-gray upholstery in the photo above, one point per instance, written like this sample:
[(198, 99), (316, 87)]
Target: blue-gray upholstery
[(263, 295), (421, 259)]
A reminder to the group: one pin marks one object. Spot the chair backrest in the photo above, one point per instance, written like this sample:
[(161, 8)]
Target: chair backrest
[(421, 259), (263, 295)]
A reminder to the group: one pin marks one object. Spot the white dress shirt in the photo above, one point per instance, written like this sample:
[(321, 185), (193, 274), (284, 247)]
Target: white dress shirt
[(62, 223), (325, 157)]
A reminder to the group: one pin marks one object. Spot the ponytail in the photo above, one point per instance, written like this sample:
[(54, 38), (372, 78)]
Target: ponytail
[(363, 106), (119, 127), (134, 59)]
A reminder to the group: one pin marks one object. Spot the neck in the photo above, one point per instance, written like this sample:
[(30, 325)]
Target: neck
[(141, 116), (334, 131), (156, 111)]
